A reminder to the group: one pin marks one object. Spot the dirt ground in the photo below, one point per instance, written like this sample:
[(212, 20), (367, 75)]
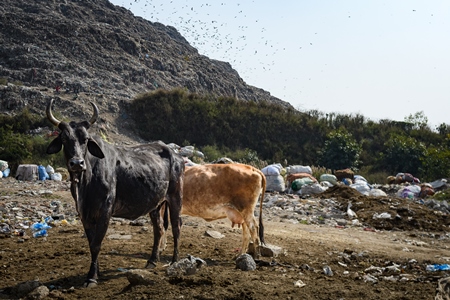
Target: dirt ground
[(382, 259)]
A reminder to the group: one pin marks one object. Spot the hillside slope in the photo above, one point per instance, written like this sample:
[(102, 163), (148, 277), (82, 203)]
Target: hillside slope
[(96, 51)]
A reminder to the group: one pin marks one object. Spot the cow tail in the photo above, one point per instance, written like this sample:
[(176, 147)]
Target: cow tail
[(166, 216), (261, 226)]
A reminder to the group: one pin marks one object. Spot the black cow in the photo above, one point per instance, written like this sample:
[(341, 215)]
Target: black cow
[(125, 182)]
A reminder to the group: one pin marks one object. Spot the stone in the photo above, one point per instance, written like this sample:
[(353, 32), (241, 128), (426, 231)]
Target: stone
[(214, 234), (140, 277), (40, 292), (269, 250), (24, 288), (245, 262)]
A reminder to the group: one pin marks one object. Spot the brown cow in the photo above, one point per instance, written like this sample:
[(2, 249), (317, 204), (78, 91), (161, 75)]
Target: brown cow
[(217, 191)]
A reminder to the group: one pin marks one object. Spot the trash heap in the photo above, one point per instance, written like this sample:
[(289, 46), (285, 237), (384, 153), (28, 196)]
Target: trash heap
[(31, 209)]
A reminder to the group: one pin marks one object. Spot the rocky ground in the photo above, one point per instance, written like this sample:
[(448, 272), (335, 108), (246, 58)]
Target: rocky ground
[(320, 252)]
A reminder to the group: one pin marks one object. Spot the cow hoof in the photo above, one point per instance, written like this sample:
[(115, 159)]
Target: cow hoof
[(150, 265), (90, 283)]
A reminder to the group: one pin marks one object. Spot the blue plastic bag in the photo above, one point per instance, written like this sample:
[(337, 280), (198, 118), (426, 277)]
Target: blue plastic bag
[(43, 175), (6, 172)]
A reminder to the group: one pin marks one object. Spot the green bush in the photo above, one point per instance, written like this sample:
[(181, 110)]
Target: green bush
[(341, 151)]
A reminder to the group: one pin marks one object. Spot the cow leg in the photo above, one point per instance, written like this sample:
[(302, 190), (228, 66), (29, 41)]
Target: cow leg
[(250, 231), (175, 222), (158, 232), (245, 238), (95, 232)]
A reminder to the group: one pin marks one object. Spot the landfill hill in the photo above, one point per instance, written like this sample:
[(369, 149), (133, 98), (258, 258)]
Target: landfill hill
[(92, 50)]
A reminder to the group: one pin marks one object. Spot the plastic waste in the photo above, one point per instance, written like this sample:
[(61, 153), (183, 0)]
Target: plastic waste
[(438, 267), (48, 219), (40, 233), (40, 226), (6, 172)]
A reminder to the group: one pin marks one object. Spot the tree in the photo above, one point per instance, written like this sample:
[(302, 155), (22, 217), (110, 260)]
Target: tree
[(340, 151), (403, 154), (436, 164), (419, 120)]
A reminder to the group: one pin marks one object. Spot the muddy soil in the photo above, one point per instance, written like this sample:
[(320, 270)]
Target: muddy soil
[(379, 259)]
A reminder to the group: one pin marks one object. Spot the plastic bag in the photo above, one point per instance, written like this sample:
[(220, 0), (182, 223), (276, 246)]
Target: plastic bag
[(6, 172), (328, 177), (56, 176), (299, 169), (50, 170), (314, 188), (297, 184), (3, 165), (42, 173), (274, 169)]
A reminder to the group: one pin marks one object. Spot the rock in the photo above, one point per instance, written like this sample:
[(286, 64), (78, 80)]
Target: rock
[(140, 277), (120, 236), (214, 234), (245, 262), (269, 250), (24, 288), (39, 293), (299, 283)]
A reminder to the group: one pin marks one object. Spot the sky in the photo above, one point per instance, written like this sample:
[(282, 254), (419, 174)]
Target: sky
[(379, 59)]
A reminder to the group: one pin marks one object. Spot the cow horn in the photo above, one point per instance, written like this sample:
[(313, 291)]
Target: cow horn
[(50, 116), (95, 115)]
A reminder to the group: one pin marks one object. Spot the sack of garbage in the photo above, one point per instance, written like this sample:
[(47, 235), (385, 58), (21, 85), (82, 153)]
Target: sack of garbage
[(3, 165), (298, 183), (347, 181), (43, 175), (6, 172), (345, 173), (56, 176), (314, 188), (361, 187), (298, 169), (359, 177), (405, 177), (275, 183), (292, 177), (426, 190), (64, 173), (27, 172), (328, 177), (274, 169), (189, 151), (409, 192), (49, 170), (377, 193)]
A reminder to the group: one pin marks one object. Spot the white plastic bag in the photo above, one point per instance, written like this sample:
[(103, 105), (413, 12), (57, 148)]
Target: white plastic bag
[(377, 193), (274, 169), (56, 176), (50, 170), (299, 169)]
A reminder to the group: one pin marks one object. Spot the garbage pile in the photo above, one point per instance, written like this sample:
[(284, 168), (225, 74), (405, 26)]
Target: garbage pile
[(30, 208), (298, 179)]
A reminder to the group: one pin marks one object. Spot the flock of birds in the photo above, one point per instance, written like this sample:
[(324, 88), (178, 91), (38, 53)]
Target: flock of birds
[(241, 40)]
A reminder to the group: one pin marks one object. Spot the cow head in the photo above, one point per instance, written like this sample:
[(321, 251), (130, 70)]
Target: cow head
[(75, 139)]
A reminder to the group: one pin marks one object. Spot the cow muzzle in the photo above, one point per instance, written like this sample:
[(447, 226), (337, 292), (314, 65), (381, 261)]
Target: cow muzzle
[(77, 165)]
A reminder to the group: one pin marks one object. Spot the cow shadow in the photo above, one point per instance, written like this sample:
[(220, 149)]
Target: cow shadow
[(66, 285)]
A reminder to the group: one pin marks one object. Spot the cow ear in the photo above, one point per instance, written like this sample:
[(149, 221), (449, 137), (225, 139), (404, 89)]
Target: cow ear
[(95, 149), (55, 146)]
